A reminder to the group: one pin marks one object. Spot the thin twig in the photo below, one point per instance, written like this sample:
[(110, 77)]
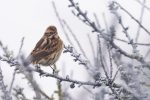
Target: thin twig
[(101, 58), (92, 47), (14, 74), (147, 54), (63, 23), (12, 82), (143, 5), (110, 59), (125, 31), (96, 57), (133, 18), (74, 37), (106, 25), (121, 40), (76, 55), (140, 20), (139, 44), (19, 94), (60, 22), (97, 21), (6, 95), (21, 45), (113, 79), (105, 21), (44, 94)]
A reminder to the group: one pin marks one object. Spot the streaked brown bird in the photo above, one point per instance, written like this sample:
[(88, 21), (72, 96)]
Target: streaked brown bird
[(48, 49)]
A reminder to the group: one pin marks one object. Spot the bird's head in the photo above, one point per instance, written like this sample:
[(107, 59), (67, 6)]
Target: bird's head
[(51, 32)]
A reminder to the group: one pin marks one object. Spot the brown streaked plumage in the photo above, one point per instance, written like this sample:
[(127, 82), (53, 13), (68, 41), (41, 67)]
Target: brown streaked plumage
[(47, 51)]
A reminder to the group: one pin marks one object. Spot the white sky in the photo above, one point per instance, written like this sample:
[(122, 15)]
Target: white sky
[(29, 19)]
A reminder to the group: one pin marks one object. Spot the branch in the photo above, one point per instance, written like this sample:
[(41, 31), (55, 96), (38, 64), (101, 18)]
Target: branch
[(19, 93), (141, 20), (6, 95), (64, 24), (139, 44), (77, 56), (67, 79), (125, 31), (143, 5), (90, 23), (133, 18), (61, 24)]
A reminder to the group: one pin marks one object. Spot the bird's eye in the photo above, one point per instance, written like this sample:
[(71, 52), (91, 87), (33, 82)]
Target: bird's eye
[(52, 32), (47, 33)]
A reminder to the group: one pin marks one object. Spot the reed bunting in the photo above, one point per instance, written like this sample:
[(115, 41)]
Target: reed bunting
[(48, 49)]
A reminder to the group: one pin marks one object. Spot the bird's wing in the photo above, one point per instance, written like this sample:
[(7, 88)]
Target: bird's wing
[(39, 44), (36, 56), (42, 49)]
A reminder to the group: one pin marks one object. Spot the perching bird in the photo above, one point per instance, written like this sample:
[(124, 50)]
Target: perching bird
[(48, 49)]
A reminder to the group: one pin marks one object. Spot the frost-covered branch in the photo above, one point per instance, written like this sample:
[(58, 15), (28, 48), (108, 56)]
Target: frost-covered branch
[(140, 24), (91, 23), (5, 94), (77, 56)]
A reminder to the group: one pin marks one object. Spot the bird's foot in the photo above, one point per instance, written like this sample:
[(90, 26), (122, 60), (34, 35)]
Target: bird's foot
[(55, 71)]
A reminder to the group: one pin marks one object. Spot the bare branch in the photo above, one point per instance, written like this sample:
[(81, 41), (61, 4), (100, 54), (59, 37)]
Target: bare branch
[(67, 79), (61, 24), (133, 18), (125, 30), (19, 93), (76, 55), (21, 45), (12, 82), (110, 59), (6, 95), (95, 29), (140, 20), (146, 7)]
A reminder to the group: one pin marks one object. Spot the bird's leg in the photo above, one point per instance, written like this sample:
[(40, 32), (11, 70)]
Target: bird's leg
[(53, 69), (56, 70), (38, 67)]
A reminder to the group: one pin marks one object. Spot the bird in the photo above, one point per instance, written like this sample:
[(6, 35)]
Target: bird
[(48, 49)]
